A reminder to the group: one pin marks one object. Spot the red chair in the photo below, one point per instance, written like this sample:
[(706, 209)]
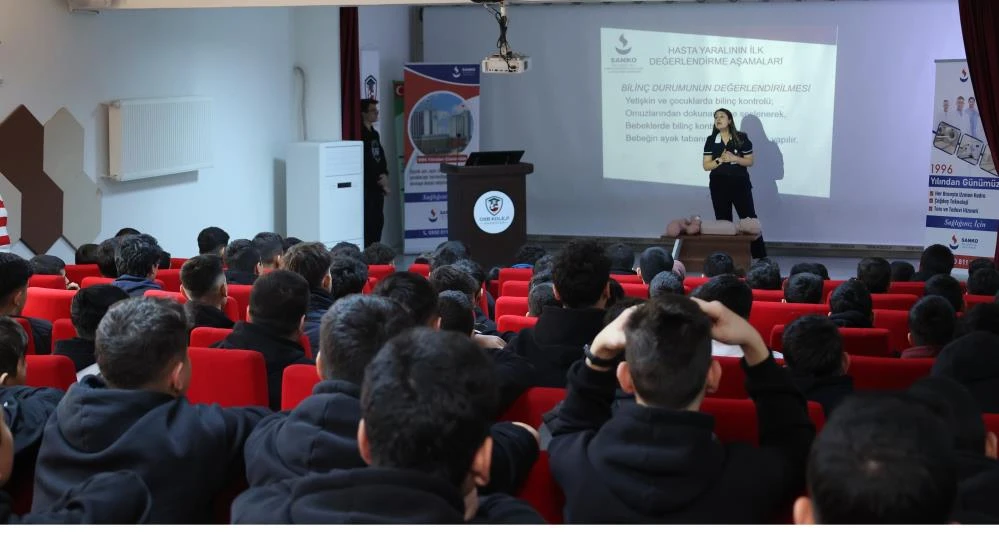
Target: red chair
[(493, 287), (175, 295), (51, 371), (511, 306), (691, 284), (26, 326), (991, 422), (169, 279), (542, 492), (735, 419), (515, 323), (765, 315), (76, 273), (380, 271), (828, 286), (507, 274), (516, 288), (897, 324), (866, 341), (297, 383), (227, 377), (48, 281), (638, 291), (177, 263), (242, 296), (628, 278), (48, 304), (91, 281), (893, 301), (532, 404), (369, 286), (62, 329), (421, 269), (912, 288), (887, 374), (970, 301), (768, 295), (733, 379), (231, 309), (205, 337)]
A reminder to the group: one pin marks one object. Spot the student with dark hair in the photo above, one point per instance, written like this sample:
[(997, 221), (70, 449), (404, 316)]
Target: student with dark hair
[(936, 259), (52, 266), (666, 283), (376, 174), (314, 263), (135, 416), (242, 261), (414, 293), (269, 246), (451, 278), (803, 288), (947, 287), (764, 275), (543, 265), (657, 460), (279, 301), (813, 352), (87, 254), (539, 297), (483, 323), (137, 260), (106, 253), (581, 274), (212, 240), (735, 295), (880, 460), (615, 292), (378, 254), (164, 260), (814, 268), (622, 258), (87, 309), (289, 242), (718, 263), (977, 468), (932, 322), (902, 271), (426, 407), (984, 281), (980, 263), (345, 248), (983, 317), (14, 274), (527, 256), (619, 307), (875, 273), (456, 312), (447, 253), (972, 361), (653, 261), (202, 280), (850, 305), (350, 275)]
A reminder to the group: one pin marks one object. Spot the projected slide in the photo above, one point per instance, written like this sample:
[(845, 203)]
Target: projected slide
[(659, 91)]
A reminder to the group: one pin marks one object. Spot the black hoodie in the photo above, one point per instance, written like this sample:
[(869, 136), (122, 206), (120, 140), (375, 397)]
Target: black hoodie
[(207, 316), (556, 341), (80, 350), (320, 435), (106, 498), (372, 495), (654, 465), (26, 410), (184, 453), (278, 352), (828, 391), (851, 319), (978, 488)]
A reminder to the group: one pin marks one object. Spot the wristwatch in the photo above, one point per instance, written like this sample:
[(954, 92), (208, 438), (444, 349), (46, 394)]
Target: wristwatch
[(599, 362)]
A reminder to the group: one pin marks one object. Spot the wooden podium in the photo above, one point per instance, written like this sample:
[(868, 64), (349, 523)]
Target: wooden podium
[(692, 250), (487, 209)]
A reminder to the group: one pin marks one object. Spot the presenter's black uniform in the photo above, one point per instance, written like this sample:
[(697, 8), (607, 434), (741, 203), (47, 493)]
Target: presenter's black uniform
[(730, 185), (375, 165)]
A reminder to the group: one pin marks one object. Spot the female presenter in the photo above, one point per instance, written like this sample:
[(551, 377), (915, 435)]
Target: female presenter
[(727, 154)]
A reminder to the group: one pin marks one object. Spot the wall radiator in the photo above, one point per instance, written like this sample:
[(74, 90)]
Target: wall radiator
[(159, 137)]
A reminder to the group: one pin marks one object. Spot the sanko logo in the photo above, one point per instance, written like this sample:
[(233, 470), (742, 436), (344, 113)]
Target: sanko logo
[(624, 49)]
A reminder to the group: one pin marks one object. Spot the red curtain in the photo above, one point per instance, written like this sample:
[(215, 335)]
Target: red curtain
[(350, 74), (979, 22)]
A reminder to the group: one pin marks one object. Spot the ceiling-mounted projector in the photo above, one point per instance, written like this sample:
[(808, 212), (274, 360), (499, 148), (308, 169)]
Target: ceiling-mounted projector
[(504, 61)]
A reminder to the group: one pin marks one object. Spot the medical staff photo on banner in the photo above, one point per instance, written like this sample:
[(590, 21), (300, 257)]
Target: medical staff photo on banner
[(442, 126)]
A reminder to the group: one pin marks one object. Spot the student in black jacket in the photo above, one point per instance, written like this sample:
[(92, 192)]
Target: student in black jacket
[(87, 309), (242, 262), (850, 305), (14, 274), (580, 272), (426, 408), (273, 326), (135, 417), (880, 460), (657, 460), (813, 352), (202, 280), (483, 324)]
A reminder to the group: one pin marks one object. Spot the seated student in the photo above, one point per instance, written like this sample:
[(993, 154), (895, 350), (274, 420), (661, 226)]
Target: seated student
[(137, 259), (279, 301), (902, 271), (164, 260), (212, 240), (622, 258), (136, 417), (581, 274), (657, 460), (344, 248), (735, 295), (947, 287), (378, 254), (803, 288), (810, 267), (14, 274), (127, 231), (483, 323), (936, 259), (543, 265), (451, 278), (270, 246), (87, 254), (764, 275), (289, 242), (875, 273), (977, 468), (850, 305), (425, 411), (653, 261), (983, 317), (527, 256), (541, 296), (718, 263), (615, 292), (880, 460), (932, 323), (972, 361), (447, 253), (666, 283), (813, 352), (980, 263), (242, 261), (349, 276), (87, 309), (983, 281), (314, 263), (414, 293), (53, 266), (106, 253), (202, 280)]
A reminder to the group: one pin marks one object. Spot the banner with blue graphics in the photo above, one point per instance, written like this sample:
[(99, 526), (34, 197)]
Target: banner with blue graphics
[(442, 126), (963, 208)]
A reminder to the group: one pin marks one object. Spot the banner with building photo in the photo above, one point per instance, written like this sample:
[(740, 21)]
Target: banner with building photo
[(441, 104), (963, 209)]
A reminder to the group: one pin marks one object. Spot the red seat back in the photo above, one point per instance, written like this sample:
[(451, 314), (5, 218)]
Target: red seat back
[(205, 337), (26, 326), (733, 379), (897, 324), (231, 309), (76, 273), (62, 329), (735, 419), (228, 377), (768, 295), (169, 279), (52, 371), (991, 422), (693, 283), (95, 281), (421, 269), (638, 291), (175, 295), (765, 315), (515, 323), (912, 288), (542, 492), (380, 271), (887, 374), (893, 301), (628, 278), (296, 384), (369, 286), (970, 301), (511, 306), (242, 296), (828, 286), (866, 341), (48, 281), (48, 304), (516, 288), (507, 274), (532, 404), (177, 263)]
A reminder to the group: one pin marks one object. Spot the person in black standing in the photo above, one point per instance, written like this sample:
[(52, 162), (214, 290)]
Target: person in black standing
[(727, 155), (375, 173)]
